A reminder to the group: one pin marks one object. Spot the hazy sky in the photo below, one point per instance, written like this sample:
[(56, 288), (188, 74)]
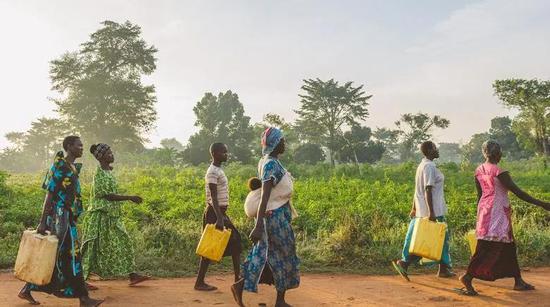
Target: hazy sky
[(432, 56)]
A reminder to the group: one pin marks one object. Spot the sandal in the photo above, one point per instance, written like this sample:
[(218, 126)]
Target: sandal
[(400, 270), (466, 292)]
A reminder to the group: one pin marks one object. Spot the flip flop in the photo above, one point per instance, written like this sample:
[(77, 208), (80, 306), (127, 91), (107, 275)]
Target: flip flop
[(526, 287), (400, 270), (139, 280), (464, 291), (206, 288)]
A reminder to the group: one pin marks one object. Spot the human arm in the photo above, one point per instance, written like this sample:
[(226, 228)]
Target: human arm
[(413, 210), (507, 181), (478, 189), (429, 201), (215, 205), (116, 197), (257, 232), (46, 210)]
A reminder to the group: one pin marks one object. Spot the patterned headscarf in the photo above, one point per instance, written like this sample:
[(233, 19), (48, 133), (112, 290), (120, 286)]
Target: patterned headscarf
[(100, 150), (270, 139)]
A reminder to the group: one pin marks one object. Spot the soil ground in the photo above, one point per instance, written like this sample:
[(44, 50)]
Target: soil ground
[(315, 290)]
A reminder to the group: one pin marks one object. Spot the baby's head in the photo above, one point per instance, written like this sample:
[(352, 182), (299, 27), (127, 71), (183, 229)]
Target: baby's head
[(254, 183)]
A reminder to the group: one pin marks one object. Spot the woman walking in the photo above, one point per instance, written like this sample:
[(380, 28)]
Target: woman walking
[(62, 207), (272, 259), (495, 256), (107, 248)]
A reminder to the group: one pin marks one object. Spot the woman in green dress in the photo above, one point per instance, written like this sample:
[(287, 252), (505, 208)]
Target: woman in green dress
[(107, 248)]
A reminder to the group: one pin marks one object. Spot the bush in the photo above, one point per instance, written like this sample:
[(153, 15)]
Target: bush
[(352, 217)]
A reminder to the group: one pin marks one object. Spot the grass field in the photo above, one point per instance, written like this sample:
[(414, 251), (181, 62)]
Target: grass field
[(352, 219)]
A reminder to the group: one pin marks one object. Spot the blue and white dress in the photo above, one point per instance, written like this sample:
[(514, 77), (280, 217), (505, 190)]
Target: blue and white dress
[(273, 259)]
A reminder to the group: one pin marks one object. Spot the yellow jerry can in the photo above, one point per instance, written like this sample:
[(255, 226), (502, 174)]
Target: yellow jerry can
[(472, 240), (213, 242), (428, 239)]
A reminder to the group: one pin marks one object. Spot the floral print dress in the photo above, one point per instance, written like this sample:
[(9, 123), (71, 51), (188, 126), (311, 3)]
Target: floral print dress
[(107, 248)]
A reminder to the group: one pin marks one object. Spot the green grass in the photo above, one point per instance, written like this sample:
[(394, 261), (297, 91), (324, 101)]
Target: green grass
[(352, 219)]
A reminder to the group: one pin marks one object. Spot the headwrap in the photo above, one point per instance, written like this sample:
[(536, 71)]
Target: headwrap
[(100, 150), (270, 139)]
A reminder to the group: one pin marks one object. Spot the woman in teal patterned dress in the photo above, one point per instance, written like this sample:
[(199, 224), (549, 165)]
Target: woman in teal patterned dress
[(272, 259), (62, 208), (107, 249)]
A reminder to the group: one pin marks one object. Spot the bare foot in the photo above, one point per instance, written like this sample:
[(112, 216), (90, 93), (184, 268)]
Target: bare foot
[(205, 287), (523, 286), (137, 278), (26, 295), (90, 302), (237, 290)]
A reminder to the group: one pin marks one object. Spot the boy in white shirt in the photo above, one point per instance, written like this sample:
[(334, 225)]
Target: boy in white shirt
[(217, 201)]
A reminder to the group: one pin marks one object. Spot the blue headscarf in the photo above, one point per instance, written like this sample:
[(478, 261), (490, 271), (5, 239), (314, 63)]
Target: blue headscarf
[(270, 139)]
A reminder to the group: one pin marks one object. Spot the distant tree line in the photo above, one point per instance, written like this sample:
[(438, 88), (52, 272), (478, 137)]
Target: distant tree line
[(101, 97)]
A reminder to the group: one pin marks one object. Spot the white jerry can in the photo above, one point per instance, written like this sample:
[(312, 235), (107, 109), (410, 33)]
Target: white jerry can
[(36, 258)]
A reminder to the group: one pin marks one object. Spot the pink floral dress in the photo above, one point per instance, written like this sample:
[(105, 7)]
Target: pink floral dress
[(493, 210)]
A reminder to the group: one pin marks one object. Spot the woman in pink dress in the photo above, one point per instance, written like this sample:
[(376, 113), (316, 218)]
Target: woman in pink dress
[(495, 256)]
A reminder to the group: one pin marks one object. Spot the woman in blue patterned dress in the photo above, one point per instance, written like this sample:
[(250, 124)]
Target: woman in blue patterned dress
[(62, 207), (272, 259)]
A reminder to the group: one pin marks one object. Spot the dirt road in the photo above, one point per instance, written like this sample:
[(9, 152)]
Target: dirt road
[(315, 290)]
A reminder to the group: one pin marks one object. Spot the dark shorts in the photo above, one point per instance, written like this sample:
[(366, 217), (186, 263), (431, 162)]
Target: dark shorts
[(234, 245)]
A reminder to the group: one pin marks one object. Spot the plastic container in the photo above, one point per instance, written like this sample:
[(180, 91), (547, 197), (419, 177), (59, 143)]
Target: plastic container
[(428, 239), (213, 242), (470, 236), (36, 257)]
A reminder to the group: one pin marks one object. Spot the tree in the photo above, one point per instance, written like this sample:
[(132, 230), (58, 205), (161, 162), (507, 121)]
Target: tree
[(501, 131), (34, 149), (171, 144), (326, 107), (532, 99), (415, 129), (358, 147), (388, 138), (450, 152), (472, 151), (220, 119), (102, 97), (309, 154)]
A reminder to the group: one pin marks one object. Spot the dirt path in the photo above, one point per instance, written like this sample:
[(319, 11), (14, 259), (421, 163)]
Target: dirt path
[(315, 290)]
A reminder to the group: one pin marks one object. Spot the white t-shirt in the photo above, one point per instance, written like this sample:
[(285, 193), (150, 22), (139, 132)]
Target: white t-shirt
[(215, 175), (427, 174)]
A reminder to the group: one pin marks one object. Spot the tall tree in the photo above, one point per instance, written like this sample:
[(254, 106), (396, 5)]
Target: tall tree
[(357, 146), (501, 131), (220, 119), (389, 139), (101, 93), (415, 129), (171, 143), (450, 152), (308, 154), (532, 99), (326, 107), (471, 151)]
